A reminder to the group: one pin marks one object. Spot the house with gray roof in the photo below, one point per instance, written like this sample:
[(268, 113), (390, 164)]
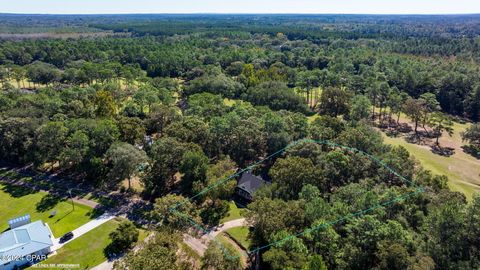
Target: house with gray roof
[(25, 244), (247, 185)]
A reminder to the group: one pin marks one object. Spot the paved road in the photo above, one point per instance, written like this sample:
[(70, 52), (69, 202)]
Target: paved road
[(200, 245), (92, 224)]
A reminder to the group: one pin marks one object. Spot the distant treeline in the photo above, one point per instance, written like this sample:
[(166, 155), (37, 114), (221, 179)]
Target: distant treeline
[(301, 26)]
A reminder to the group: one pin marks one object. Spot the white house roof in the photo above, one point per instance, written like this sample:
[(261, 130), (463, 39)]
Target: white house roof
[(24, 240)]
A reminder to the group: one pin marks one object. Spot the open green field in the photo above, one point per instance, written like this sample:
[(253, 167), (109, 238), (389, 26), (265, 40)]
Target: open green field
[(240, 234), (17, 201), (462, 170), (88, 249), (233, 213)]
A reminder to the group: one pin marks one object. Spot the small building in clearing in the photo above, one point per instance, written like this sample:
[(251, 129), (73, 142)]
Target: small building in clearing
[(247, 185), (25, 244)]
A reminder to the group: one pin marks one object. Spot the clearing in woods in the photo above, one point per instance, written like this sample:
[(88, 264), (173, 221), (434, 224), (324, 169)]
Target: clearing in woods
[(462, 169)]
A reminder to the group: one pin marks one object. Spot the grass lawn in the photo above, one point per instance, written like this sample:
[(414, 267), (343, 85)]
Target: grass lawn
[(17, 201), (142, 234), (231, 248), (87, 250), (226, 243), (240, 234), (462, 170), (233, 213)]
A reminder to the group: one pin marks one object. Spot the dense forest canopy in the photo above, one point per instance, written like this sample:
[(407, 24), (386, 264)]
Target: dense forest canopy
[(177, 102), (407, 59)]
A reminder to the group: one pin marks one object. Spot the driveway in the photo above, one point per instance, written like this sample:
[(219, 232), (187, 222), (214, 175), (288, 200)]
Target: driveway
[(225, 226), (92, 224), (200, 245), (106, 265)]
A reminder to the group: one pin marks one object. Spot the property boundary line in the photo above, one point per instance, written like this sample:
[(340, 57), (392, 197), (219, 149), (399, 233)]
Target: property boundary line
[(418, 190)]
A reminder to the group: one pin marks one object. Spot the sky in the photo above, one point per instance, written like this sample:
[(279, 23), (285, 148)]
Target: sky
[(241, 6)]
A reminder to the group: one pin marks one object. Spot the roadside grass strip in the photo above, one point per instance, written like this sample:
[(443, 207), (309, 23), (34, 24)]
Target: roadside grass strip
[(418, 189)]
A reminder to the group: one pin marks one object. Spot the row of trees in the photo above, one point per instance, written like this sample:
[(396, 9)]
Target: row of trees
[(374, 72), (472, 137), (75, 73), (424, 111)]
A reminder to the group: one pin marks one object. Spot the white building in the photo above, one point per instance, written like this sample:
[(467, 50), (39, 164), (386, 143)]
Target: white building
[(25, 244)]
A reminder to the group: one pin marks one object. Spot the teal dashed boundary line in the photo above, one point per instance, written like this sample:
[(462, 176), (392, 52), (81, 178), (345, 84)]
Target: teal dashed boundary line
[(206, 232), (418, 190), (323, 225)]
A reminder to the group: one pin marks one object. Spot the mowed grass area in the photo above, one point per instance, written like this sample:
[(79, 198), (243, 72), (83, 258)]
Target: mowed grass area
[(233, 213), (462, 170), (230, 248), (17, 201), (240, 235), (88, 249)]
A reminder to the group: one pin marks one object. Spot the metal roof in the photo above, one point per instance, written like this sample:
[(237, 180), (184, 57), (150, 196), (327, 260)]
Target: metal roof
[(19, 219), (24, 240)]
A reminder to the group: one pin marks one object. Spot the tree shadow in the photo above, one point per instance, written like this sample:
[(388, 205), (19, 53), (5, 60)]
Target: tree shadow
[(96, 212), (112, 252), (48, 202), (404, 128), (17, 191), (416, 139), (112, 201), (442, 151), (471, 150), (392, 133), (139, 212)]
